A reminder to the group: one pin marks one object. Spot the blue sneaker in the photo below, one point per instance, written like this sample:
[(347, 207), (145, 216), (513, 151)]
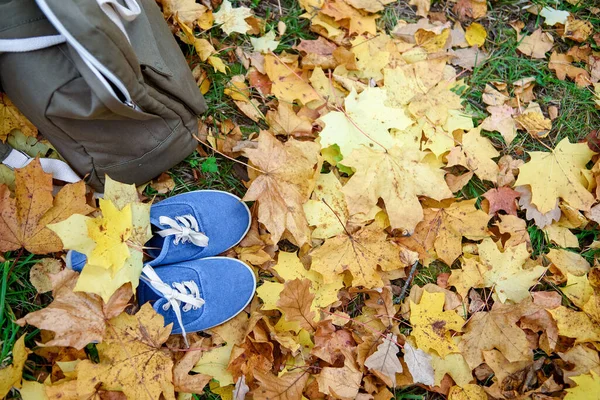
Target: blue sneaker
[(199, 294), (189, 226)]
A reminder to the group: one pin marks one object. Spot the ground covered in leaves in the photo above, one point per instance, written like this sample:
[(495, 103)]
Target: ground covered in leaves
[(424, 185)]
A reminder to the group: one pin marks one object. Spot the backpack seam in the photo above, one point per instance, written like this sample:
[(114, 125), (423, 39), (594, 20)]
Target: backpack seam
[(23, 23)]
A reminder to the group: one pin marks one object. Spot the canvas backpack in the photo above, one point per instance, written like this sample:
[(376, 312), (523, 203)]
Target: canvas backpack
[(104, 81)]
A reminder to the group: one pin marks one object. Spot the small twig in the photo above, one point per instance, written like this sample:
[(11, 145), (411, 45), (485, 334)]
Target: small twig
[(409, 279)]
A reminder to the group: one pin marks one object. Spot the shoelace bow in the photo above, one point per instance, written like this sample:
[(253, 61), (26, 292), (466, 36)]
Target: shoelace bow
[(187, 230), (186, 292)]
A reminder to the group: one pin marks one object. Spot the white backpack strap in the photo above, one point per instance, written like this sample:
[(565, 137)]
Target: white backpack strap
[(30, 44), (60, 170)]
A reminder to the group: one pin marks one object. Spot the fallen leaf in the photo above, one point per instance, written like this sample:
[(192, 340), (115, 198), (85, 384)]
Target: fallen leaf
[(232, 19), (370, 6), (531, 211), (10, 376), (561, 65), (502, 199), (284, 184), (419, 365), (288, 82), (588, 387), (76, 318), (187, 11), (288, 386), (364, 124), (285, 121), (384, 362), (342, 383), (495, 329), (475, 153), (553, 16), (397, 176), (131, 358), (432, 326), (575, 324), (182, 379), (537, 44), (24, 219), (359, 253), (501, 120), (11, 118), (475, 34), (295, 302), (577, 30), (444, 228), (266, 43), (467, 392), (557, 174), (423, 6), (534, 122), (40, 274)]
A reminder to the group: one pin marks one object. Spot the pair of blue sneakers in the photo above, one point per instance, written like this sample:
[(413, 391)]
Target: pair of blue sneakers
[(184, 281)]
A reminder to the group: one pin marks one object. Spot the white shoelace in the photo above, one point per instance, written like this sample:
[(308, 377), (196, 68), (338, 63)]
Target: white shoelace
[(186, 292), (186, 231)]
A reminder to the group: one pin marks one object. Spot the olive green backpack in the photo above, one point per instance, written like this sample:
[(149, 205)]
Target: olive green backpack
[(104, 81)]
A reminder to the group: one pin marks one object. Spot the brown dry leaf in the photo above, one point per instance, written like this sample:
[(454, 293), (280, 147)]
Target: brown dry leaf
[(288, 386), (473, 9), (357, 22), (495, 329), (163, 184), (288, 173), (23, 219), (501, 120), (182, 379), (531, 211), (509, 168), (260, 82), (444, 228), (76, 318), (359, 253), (537, 44), (561, 65), (370, 5), (285, 121), (577, 30), (502, 199), (456, 183), (41, 273), (131, 358), (295, 301), (318, 53), (11, 118), (341, 383), (516, 228)]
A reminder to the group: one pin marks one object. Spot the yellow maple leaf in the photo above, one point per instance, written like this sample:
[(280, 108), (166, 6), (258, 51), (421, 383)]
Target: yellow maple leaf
[(444, 228), (397, 176), (365, 123), (588, 387), (110, 232), (289, 171), (467, 392), (328, 211), (359, 253), (504, 270), (557, 174), (469, 276), (123, 230), (289, 83), (432, 326), (476, 153), (575, 324), (131, 358), (11, 375), (475, 35)]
